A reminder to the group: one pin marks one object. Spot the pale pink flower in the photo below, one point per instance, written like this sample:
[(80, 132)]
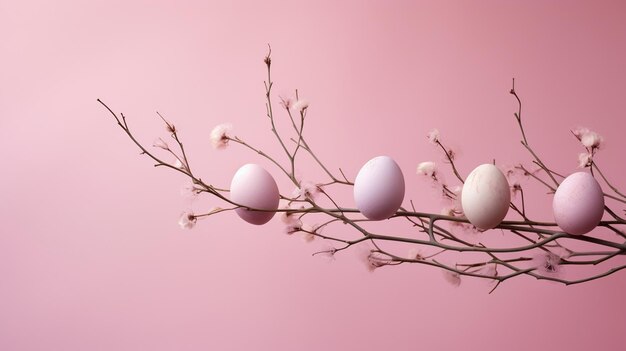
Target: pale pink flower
[(433, 136), (327, 252), (187, 220), (591, 140), (451, 277), (448, 211), (427, 168), (579, 132), (588, 138), (415, 254), (547, 263), (490, 270), (300, 105), (190, 190), (306, 190), (371, 259), (288, 217), (286, 103), (219, 136), (161, 144), (293, 226), (584, 160), (309, 232)]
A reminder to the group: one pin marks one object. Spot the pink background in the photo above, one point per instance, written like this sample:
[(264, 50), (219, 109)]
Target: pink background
[(91, 256)]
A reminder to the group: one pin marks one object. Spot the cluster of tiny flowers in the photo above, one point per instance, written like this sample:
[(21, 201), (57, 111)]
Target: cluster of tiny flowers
[(592, 141), (219, 136)]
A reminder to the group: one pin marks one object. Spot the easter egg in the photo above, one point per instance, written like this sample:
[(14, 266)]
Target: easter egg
[(578, 203), (485, 197), (255, 189), (379, 188)]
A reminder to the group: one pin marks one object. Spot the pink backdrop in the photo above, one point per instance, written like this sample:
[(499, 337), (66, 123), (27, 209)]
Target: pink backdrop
[(91, 256)]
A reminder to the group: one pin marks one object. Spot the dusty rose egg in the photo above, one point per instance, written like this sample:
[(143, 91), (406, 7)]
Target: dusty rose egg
[(253, 187), (578, 203), (485, 197), (379, 188)]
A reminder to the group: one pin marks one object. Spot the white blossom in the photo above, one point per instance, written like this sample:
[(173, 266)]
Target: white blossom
[(427, 168), (300, 105), (433, 136), (187, 220), (219, 136), (584, 160)]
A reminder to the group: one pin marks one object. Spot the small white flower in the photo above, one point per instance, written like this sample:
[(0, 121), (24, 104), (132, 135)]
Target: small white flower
[(579, 132), (219, 136), (584, 160), (451, 277), (300, 105), (187, 220), (427, 168), (591, 140), (160, 143), (433, 136)]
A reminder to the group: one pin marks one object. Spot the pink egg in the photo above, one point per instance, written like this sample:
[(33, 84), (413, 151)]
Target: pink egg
[(578, 204), (253, 187), (379, 188), (485, 197)]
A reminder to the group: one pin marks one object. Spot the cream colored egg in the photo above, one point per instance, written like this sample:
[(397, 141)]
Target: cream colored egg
[(485, 197)]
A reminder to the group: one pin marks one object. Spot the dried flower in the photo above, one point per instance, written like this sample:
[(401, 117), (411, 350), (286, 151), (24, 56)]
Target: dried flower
[(584, 160), (309, 232), (515, 188), (187, 220), (190, 190), (300, 105), (307, 190), (293, 226), (433, 136), (219, 136), (427, 168), (591, 140), (286, 103), (415, 254), (588, 138), (547, 263), (452, 277), (371, 259), (160, 143)]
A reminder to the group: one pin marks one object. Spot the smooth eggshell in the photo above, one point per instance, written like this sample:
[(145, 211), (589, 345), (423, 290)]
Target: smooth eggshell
[(578, 204), (253, 187), (379, 188), (485, 197)]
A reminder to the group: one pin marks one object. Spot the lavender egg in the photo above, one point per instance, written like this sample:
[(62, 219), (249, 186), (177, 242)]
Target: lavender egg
[(485, 197), (253, 187), (379, 188), (578, 204)]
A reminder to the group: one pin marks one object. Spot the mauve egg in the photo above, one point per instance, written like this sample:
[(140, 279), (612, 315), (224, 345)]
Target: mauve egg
[(485, 197), (253, 187), (578, 204), (379, 188)]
